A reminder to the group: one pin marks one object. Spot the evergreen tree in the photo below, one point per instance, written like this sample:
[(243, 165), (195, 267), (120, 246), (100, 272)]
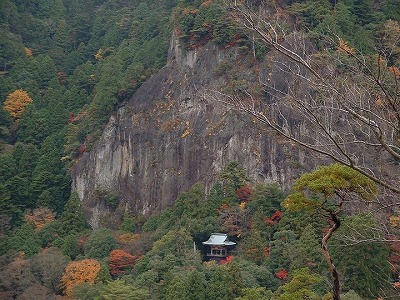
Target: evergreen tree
[(72, 220), (120, 290), (225, 283), (99, 244), (368, 276), (301, 286), (26, 240)]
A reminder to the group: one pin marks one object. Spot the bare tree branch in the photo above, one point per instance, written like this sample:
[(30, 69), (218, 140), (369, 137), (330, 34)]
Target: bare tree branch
[(348, 103)]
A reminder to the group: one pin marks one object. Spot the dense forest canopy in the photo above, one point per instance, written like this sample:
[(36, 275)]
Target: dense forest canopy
[(66, 65)]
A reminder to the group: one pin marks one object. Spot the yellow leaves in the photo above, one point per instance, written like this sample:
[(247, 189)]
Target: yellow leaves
[(99, 54), (78, 272), (128, 237), (395, 221), (187, 131), (343, 46), (378, 101), (16, 103), (242, 205), (103, 53), (39, 217)]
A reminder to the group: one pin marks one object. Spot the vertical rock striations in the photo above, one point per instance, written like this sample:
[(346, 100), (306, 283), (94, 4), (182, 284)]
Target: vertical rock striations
[(169, 135)]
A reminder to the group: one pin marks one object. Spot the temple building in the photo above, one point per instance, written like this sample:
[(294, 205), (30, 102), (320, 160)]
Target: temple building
[(219, 246)]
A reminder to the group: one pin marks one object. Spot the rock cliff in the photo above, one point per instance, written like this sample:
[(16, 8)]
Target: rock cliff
[(170, 135)]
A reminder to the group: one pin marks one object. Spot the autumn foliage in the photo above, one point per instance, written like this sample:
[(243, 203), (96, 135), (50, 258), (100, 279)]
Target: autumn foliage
[(39, 217), (28, 52), (121, 261), (282, 274), (227, 260), (274, 219), (16, 103), (78, 272), (343, 46), (244, 193)]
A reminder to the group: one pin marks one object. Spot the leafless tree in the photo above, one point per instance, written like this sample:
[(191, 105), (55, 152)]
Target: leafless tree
[(334, 101)]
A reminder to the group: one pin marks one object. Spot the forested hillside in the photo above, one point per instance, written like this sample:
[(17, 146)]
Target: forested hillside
[(65, 68)]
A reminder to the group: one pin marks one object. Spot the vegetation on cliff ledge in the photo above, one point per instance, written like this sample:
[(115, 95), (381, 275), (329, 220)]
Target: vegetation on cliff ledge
[(65, 66)]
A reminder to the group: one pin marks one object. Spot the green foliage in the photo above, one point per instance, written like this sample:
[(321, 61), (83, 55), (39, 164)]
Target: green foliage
[(259, 293), (99, 244), (11, 48), (128, 224), (283, 248), (202, 21), (324, 182), (49, 233), (72, 220), (120, 290), (109, 198), (176, 289), (257, 275), (103, 276), (86, 291), (301, 286), (308, 249), (62, 73), (367, 276), (70, 246), (354, 21), (168, 252), (26, 240), (350, 295), (233, 177), (266, 198), (225, 283)]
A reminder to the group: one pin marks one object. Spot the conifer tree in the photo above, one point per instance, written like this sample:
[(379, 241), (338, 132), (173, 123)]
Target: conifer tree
[(72, 220)]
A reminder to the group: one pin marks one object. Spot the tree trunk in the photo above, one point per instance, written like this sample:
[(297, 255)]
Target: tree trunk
[(325, 252)]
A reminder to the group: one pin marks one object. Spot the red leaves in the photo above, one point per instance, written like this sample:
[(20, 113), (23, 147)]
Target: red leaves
[(227, 260), (121, 261), (282, 274), (244, 193), (274, 219)]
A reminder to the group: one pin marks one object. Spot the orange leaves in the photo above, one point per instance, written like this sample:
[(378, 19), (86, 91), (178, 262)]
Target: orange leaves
[(78, 272), (40, 217), (207, 3), (16, 102), (188, 131), (395, 71), (121, 261), (343, 46)]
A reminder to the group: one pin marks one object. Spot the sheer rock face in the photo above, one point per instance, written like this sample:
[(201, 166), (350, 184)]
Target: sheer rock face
[(170, 135)]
